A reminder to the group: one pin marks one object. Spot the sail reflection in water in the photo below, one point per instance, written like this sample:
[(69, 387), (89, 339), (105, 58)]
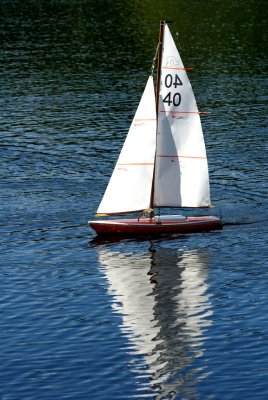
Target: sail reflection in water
[(162, 298)]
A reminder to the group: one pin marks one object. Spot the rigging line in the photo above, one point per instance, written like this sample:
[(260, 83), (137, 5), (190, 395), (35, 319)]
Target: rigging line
[(177, 36), (155, 56), (177, 33)]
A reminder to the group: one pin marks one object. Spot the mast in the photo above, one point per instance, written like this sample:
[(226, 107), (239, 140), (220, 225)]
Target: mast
[(159, 62), (157, 90)]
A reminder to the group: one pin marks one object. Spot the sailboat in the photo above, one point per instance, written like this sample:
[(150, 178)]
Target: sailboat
[(163, 161)]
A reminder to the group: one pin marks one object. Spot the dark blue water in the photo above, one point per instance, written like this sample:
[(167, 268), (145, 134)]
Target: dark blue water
[(172, 318)]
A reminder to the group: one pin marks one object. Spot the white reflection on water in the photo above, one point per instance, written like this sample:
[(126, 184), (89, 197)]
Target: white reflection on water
[(165, 308)]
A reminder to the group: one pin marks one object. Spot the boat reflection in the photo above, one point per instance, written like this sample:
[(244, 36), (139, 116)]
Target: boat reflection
[(163, 300)]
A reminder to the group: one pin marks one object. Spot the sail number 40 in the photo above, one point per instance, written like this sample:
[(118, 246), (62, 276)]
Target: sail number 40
[(172, 98)]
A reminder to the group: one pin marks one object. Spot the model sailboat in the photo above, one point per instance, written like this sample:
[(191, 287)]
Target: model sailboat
[(163, 161)]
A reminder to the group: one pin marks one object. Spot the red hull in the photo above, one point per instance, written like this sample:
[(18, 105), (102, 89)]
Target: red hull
[(150, 227)]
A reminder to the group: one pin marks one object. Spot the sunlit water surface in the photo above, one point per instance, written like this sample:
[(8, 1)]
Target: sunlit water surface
[(172, 318)]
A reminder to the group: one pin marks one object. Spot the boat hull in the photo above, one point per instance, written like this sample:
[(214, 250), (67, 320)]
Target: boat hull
[(146, 226)]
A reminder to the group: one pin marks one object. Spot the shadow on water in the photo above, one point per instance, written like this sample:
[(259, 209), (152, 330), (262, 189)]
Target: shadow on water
[(99, 240), (161, 297)]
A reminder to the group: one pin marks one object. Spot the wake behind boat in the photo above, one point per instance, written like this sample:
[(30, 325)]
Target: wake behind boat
[(163, 161)]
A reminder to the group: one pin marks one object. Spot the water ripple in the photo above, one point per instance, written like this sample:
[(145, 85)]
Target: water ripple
[(182, 317)]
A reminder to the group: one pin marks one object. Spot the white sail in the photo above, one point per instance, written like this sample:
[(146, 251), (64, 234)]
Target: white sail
[(181, 172), (130, 185)]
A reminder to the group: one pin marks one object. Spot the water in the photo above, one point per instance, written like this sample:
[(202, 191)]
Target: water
[(173, 318)]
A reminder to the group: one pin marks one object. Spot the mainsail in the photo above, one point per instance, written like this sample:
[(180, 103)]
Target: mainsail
[(181, 170), (130, 185)]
